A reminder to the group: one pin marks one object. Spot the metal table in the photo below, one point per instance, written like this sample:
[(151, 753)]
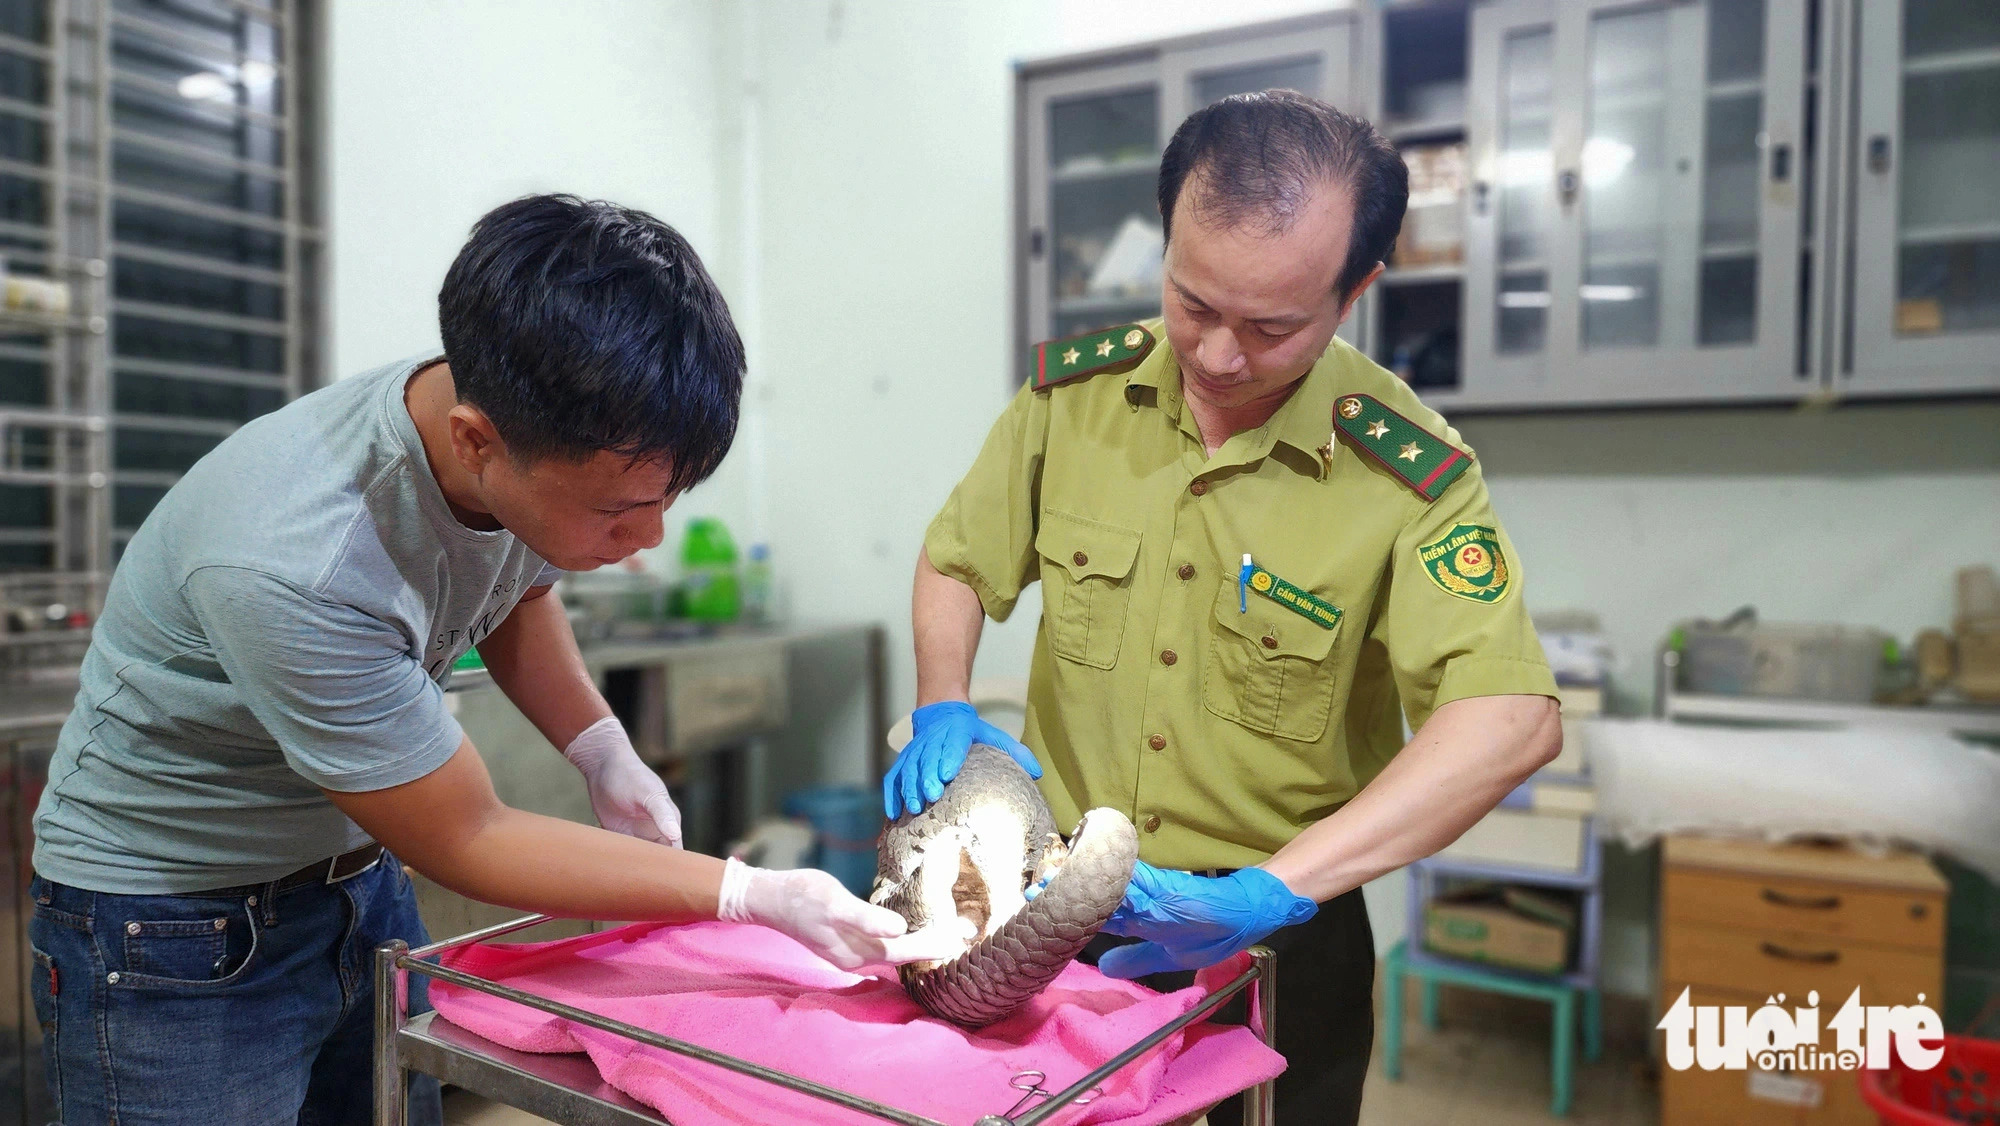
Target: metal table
[(567, 1089)]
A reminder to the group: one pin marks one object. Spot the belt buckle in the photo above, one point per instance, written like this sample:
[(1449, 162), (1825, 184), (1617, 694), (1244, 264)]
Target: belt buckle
[(333, 873)]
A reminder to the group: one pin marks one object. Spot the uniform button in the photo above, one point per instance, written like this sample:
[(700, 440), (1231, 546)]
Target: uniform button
[(1198, 488), (132, 928), (1157, 742), (1168, 656), (1270, 642), (1153, 823), (1187, 571), (1079, 559)]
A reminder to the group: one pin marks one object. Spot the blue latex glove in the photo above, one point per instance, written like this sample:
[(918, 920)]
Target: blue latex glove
[(942, 735), (1191, 921)]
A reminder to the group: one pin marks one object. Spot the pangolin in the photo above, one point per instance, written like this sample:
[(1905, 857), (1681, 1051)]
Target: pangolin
[(967, 861)]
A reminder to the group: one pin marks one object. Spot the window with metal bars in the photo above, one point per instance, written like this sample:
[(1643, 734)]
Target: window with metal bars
[(157, 165)]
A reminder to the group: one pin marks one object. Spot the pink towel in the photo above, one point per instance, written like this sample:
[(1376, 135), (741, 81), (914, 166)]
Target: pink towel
[(757, 995)]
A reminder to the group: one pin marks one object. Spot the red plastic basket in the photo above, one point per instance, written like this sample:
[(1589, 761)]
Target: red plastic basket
[(1963, 1088)]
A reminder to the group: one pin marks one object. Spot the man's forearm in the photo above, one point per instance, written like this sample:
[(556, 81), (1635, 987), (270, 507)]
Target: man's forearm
[(534, 660), (578, 871), (451, 826), (1468, 756), (946, 619)]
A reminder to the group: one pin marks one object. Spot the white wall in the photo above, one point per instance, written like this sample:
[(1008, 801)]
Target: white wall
[(1856, 515), (442, 109)]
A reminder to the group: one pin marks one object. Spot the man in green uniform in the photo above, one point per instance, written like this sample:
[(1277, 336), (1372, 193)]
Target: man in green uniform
[(1260, 556)]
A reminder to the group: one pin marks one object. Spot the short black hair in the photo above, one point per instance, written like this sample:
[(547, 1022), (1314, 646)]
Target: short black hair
[(1261, 155), (579, 326)]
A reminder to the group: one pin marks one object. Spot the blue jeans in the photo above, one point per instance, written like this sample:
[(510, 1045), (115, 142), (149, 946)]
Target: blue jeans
[(219, 1010)]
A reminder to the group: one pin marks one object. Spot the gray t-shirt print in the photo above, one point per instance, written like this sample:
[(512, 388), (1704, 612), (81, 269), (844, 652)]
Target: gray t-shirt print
[(282, 623)]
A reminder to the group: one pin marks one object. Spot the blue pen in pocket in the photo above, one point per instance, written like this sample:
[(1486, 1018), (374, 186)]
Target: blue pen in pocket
[(1243, 584)]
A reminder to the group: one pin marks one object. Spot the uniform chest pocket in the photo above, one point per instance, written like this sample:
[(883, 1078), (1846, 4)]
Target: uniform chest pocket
[(1268, 668), (1086, 586)]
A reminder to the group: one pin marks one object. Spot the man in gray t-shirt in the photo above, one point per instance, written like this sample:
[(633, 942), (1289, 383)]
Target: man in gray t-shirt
[(262, 700)]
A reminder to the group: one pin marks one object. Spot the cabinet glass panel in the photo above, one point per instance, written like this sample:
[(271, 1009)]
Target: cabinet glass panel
[(1623, 179), (1418, 339), (1295, 74), (1732, 131), (1525, 214), (1104, 160), (1948, 257)]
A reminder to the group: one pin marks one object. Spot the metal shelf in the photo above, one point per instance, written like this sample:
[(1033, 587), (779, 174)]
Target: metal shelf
[(1422, 275), (1953, 62), (1411, 129), (1109, 170), (18, 318), (1927, 233), (1106, 304), (1736, 87), (1970, 720)]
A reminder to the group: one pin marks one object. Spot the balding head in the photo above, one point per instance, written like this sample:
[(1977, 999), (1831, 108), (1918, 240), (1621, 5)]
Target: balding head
[(1257, 160)]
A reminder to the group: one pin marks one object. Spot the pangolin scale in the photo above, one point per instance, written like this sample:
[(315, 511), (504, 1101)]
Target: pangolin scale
[(966, 862)]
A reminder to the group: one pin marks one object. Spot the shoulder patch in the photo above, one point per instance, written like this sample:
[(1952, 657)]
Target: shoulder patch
[(1108, 349), (1466, 562), (1420, 459)]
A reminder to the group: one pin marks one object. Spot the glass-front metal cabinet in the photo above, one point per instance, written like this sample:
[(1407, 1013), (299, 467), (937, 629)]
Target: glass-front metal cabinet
[(1926, 300), (1636, 217), (1090, 132), (1414, 60), (1613, 202)]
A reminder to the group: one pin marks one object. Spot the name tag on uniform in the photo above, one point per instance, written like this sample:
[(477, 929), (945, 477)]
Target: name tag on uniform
[(1300, 601)]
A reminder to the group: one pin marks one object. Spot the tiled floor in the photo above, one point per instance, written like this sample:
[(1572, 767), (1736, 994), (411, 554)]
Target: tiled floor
[(1486, 1065)]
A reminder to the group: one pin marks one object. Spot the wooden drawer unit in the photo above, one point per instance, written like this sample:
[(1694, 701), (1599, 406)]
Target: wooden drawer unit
[(1767, 962), (1881, 916), (1742, 921)]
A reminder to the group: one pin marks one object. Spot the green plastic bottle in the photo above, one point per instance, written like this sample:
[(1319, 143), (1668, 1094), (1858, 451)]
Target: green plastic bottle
[(708, 571)]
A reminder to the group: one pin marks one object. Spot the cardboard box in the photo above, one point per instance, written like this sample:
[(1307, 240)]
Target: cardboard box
[(1522, 838), (1490, 933), (1541, 906), (1433, 231)]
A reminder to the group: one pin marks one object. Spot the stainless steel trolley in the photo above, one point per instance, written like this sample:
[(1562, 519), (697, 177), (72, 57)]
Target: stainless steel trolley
[(567, 1088)]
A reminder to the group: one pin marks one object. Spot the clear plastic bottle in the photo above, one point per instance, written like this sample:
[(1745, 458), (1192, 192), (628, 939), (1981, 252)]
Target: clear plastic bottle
[(757, 584)]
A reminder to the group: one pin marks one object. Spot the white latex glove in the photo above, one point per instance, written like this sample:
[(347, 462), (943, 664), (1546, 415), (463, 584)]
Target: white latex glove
[(810, 906), (627, 796)]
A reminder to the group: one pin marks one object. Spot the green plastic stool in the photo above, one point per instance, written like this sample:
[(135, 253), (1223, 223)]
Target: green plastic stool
[(1560, 995)]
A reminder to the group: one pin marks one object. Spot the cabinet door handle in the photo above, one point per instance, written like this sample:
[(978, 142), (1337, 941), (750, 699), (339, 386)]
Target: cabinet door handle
[(1803, 902), (1781, 163), (1566, 185), (1480, 191), (1878, 153), (1035, 243), (1816, 957)]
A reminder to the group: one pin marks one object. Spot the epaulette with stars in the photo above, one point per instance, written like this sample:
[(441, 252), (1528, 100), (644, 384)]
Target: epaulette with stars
[(1108, 349), (1420, 459)]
